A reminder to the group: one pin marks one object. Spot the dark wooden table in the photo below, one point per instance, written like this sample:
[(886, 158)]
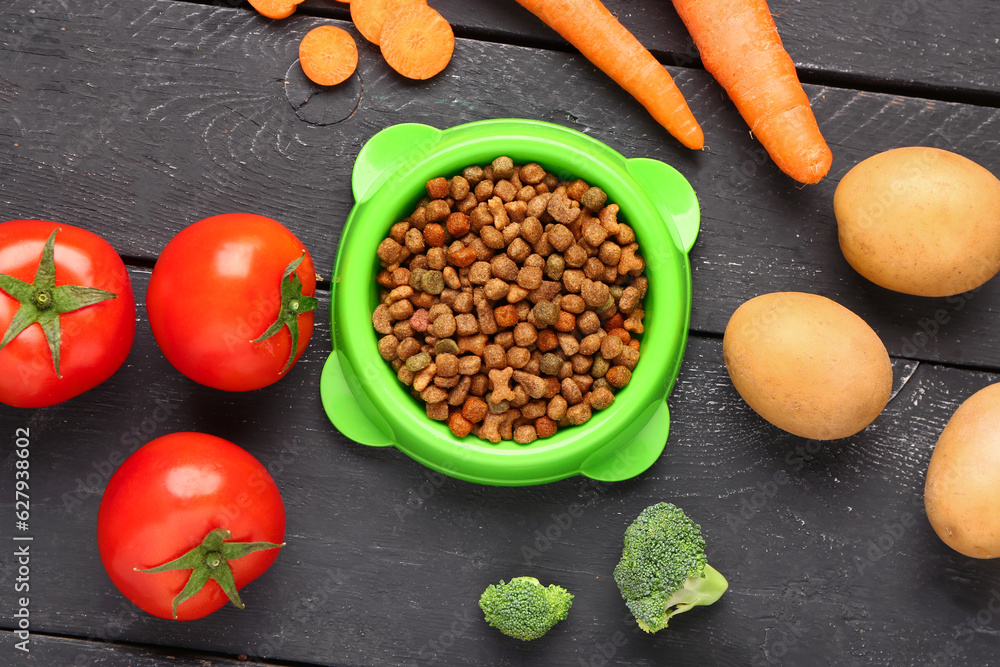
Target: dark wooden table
[(136, 118)]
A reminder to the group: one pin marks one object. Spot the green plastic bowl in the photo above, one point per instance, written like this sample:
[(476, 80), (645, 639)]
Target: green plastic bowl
[(360, 392)]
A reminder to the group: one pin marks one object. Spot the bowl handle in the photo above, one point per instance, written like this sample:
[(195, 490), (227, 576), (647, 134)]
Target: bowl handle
[(672, 193), (343, 408), (384, 153), (637, 455)]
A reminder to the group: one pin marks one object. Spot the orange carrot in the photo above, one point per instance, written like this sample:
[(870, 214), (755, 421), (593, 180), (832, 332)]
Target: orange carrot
[(417, 42), (369, 15), (328, 55), (597, 34), (275, 9), (740, 46)]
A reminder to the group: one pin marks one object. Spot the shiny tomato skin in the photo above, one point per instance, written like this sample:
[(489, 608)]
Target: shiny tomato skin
[(162, 502), (95, 340), (215, 288)]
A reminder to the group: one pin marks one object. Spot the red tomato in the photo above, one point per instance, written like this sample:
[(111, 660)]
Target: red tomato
[(218, 287), (165, 499), (89, 332)]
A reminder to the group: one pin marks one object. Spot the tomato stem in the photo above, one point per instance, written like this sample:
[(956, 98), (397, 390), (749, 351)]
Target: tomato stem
[(293, 304), (210, 560), (42, 301)]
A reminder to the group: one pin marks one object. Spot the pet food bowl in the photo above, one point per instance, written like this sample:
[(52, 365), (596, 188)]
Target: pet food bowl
[(359, 390)]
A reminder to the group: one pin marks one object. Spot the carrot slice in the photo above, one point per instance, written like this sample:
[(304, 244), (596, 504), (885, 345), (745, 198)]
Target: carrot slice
[(328, 55), (275, 9), (369, 15), (417, 42)]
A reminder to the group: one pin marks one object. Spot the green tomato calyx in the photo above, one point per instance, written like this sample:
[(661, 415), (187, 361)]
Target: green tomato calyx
[(210, 560), (293, 304), (42, 301)]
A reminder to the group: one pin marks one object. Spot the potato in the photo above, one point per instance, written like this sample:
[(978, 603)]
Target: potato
[(807, 364), (922, 221), (962, 489)]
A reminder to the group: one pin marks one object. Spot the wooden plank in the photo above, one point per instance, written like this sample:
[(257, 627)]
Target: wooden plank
[(944, 50), (47, 650), (825, 545), (198, 124)]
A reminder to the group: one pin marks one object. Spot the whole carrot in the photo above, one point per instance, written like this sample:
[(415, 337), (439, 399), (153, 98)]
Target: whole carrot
[(741, 48), (598, 35)]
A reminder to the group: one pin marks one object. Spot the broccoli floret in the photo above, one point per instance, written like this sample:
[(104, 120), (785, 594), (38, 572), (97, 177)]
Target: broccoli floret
[(523, 608), (663, 570)]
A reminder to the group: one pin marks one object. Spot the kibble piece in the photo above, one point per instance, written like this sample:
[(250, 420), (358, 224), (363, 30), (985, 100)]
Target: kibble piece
[(475, 409), (437, 210), (573, 303), (389, 251), (532, 173), (588, 322), (600, 367), (459, 392), (387, 347), (459, 425), (504, 268), (418, 362), (578, 414), (445, 346), (529, 277), (433, 394), (480, 385), (557, 407), (600, 398), (611, 347), (505, 316), (562, 208), (518, 357), (618, 376), (382, 319), (525, 434), (503, 167), (438, 188), (438, 411), (525, 334), (515, 294), (469, 365), (401, 310), (571, 391), (593, 199)]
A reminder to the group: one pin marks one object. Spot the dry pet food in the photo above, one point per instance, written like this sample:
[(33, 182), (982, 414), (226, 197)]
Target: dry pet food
[(511, 301)]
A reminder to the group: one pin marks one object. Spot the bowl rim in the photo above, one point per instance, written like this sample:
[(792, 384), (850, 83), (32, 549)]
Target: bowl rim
[(431, 442)]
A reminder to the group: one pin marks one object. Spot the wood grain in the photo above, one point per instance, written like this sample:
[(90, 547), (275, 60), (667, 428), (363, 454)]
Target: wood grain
[(139, 147), (825, 544)]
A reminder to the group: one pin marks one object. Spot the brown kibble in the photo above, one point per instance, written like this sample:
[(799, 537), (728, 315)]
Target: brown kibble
[(618, 376), (400, 310), (593, 199), (490, 428), (446, 383), (590, 344), (494, 356), (503, 167), (525, 334), (438, 188), (518, 250), (560, 237), (457, 224), (573, 303), (389, 251), (531, 229), (407, 348), (382, 319), (451, 278), (547, 340), (447, 365), (571, 391), (480, 385), (532, 384), (532, 173), (557, 407), (594, 293), (573, 280), (469, 365), (507, 424), (610, 253), (529, 277), (578, 414), (630, 263), (458, 188), (424, 377), (581, 363), (562, 208), (515, 294), (565, 322), (466, 324), (600, 398), (588, 323), (438, 411), (387, 347), (433, 394), (459, 425), (475, 409), (629, 300), (480, 273), (473, 344), (405, 375), (496, 289), (534, 409), (505, 190), (505, 316), (576, 188), (633, 323), (628, 358), (436, 211), (460, 392), (545, 427), (504, 268), (518, 357), (568, 344), (611, 347), (500, 379), (493, 238), (463, 257), (525, 434), (384, 278)]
